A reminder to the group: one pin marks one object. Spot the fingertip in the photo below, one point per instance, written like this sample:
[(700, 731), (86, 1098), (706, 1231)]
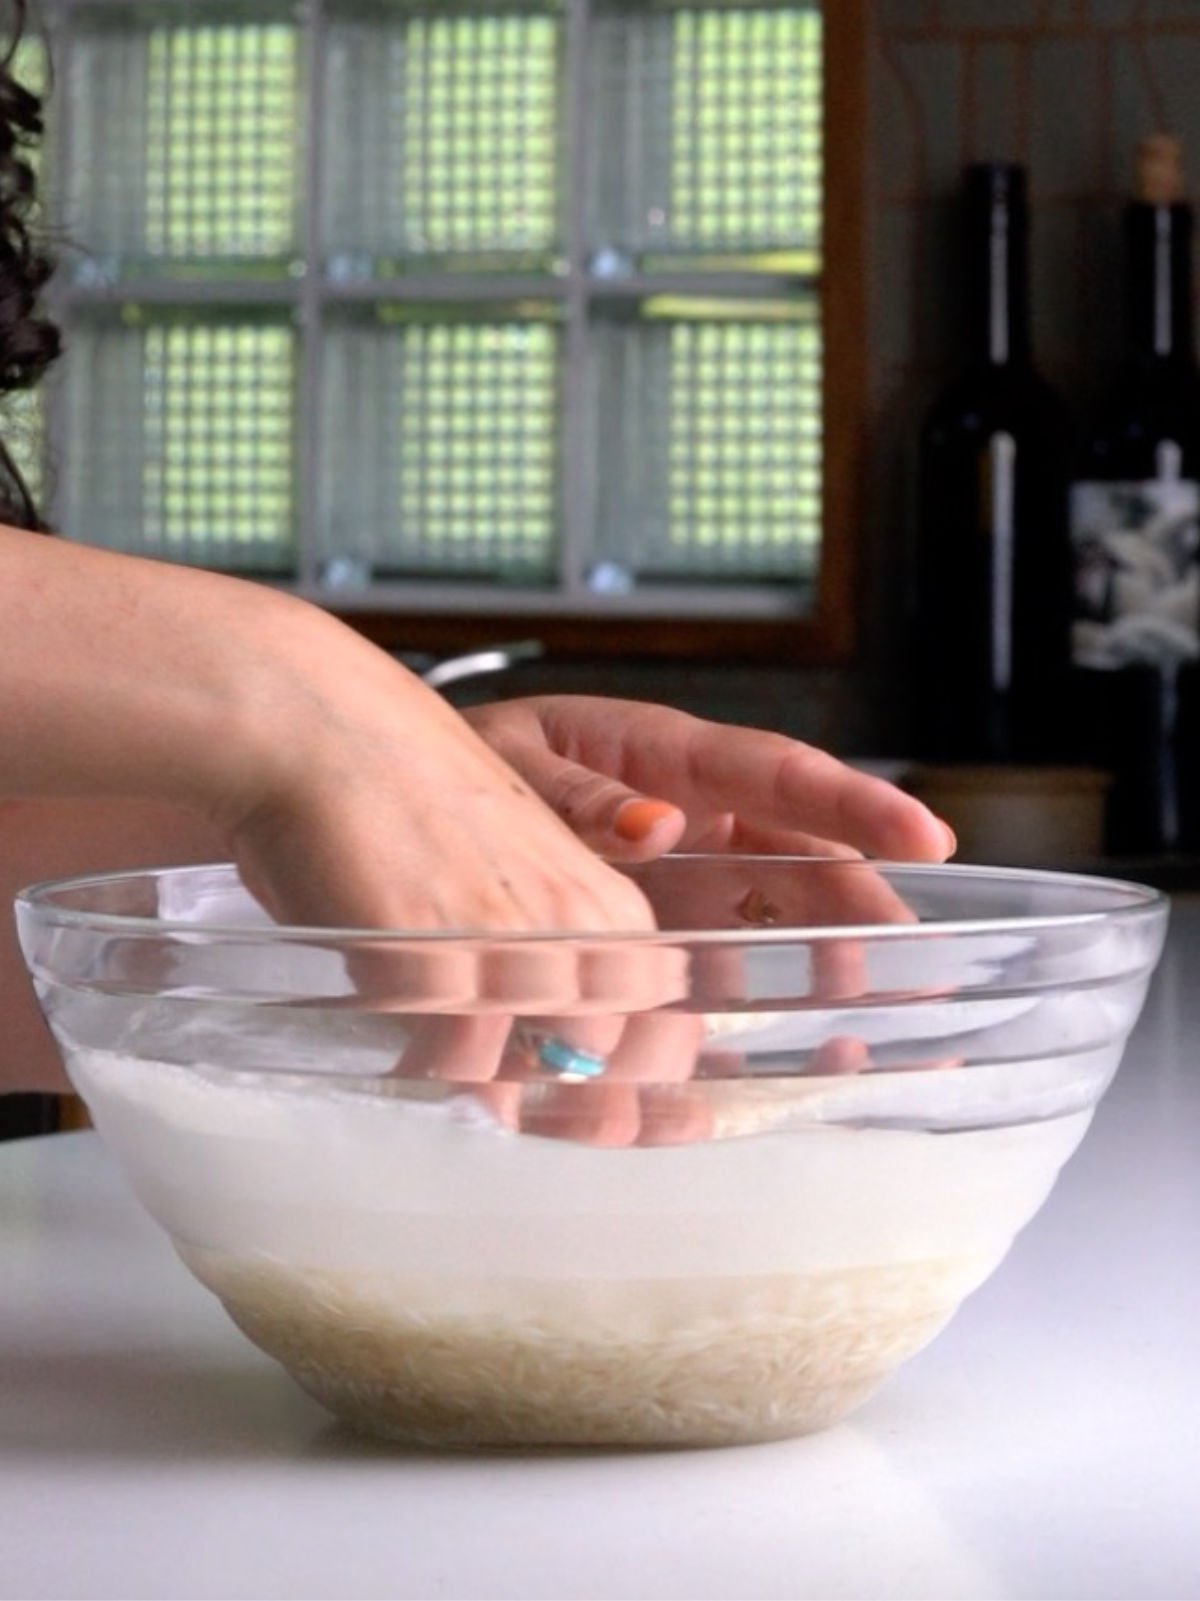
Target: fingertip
[(943, 839), (943, 842), (919, 834), (637, 819)]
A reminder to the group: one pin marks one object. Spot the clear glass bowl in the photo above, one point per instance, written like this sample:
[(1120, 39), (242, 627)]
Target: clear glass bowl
[(708, 1185)]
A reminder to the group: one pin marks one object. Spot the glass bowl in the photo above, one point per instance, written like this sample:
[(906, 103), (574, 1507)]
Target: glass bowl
[(708, 1185)]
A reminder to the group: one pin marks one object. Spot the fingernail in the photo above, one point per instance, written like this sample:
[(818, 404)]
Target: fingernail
[(636, 818), (951, 838)]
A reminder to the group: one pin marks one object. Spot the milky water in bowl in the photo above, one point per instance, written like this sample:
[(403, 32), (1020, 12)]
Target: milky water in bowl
[(432, 1276)]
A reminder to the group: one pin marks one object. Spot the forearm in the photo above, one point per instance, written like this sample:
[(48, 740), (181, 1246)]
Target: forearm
[(345, 790), (121, 676), (115, 681)]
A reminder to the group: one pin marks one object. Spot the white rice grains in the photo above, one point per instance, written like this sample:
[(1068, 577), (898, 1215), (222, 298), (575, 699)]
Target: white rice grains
[(656, 1363)]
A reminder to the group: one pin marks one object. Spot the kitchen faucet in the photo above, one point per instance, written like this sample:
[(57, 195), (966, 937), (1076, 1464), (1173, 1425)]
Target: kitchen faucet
[(475, 663)]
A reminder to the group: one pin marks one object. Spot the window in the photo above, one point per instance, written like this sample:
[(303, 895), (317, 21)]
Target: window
[(514, 308)]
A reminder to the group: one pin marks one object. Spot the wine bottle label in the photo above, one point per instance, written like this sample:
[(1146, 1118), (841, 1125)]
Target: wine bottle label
[(1136, 552)]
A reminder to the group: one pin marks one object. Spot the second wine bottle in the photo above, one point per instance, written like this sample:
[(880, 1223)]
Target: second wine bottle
[(992, 561), (1135, 526)]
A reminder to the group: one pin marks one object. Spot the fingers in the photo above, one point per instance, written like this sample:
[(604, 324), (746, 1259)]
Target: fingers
[(742, 892), (555, 986), (645, 826), (465, 1050), (621, 1115), (613, 819), (739, 893), (644, 1095), (562, 986), (776, 784), (765, 780), (839, 1056), (644, 1098), (658, 1048), (727, 832), (637, 780)]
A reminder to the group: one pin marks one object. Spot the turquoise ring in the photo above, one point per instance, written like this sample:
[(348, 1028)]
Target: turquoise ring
[(567, 1062)]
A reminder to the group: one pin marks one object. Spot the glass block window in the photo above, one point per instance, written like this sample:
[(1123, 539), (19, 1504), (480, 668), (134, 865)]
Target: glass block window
[(717, 147), (445, 460), (447, 302), (217, 426), (185, 138), (745, 138), (221, 105), (716, 442), (187, 438), (442, 136)]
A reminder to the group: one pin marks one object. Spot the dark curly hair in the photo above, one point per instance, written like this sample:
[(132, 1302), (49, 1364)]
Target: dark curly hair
[(29, 341)]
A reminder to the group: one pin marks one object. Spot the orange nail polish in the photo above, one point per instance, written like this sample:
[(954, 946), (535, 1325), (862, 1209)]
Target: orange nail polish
[(636, 818)]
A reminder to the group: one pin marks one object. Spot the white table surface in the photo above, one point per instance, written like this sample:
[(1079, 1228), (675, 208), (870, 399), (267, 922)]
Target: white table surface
[(1046, 1445)]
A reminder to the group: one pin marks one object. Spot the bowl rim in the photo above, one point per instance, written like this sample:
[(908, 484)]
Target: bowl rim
[(1132, 901)]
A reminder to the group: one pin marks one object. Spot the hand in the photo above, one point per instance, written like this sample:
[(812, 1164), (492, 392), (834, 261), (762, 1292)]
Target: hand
[(635, 780), (589, 1002), (596, 762), (381, 808), (645, 1096), (363, 799)]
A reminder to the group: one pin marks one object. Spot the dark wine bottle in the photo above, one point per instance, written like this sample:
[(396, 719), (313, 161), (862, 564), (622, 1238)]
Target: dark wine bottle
[(992, 561), (1135, 527)]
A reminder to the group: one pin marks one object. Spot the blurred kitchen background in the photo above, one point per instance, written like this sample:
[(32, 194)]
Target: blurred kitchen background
[(606, 324)]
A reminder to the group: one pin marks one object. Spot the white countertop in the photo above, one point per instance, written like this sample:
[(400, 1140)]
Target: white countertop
[(1046, 1445)]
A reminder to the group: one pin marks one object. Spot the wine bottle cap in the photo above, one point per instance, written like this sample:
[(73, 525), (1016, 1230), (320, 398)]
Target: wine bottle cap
[(1159, 167)]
